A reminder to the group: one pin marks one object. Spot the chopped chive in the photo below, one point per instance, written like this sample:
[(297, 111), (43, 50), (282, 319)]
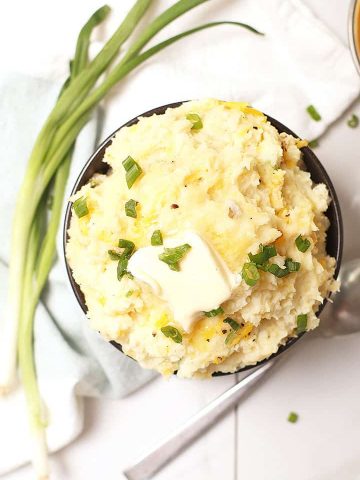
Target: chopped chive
[(314, 114), (132, 169), (266, 252), (278, 271), (302, 243), (129, 293), (127, 245), (301, 322), (172, 256), (80, 207), (313, 143), (122, 266), (214, 313), (353, 121), (173, 333), (264, 267), (196, 121), (291, 265), (233, 324), (156, 238), (128, 163), (114, 255), (230, 337), (130, 208), (250, 274), (293, 417)]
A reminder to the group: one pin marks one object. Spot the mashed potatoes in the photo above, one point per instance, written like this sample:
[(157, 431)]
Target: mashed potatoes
[(239, 184)]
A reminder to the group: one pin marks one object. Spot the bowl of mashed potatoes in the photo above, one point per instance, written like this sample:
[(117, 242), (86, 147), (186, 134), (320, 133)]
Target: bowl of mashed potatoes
[(202, 238)]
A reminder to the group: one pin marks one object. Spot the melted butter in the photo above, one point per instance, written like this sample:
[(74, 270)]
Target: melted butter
[(202, 284)]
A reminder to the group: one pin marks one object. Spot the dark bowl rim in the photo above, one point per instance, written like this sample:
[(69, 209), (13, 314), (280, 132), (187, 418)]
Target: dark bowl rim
[(308, 154)]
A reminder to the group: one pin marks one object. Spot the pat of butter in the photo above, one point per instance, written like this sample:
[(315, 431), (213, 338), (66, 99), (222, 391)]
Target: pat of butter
[(202, 284)]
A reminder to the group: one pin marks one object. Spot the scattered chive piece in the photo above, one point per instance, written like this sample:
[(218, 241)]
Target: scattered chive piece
[(266, 252), (313, 143), (132, 169), (250, 274), (173, 333), (156, 238), (80, 207), (195, 120), (128, 163), (129, 293), (123, 257), (172, 256), (314, 114), (122, 266), (291, 265), (130, 208), (214, 313), (293, 417), (232, 335), (302, 243), (301, 321), (353, 121), (114, 255), (127, 245), (233, 324), (278, 271)]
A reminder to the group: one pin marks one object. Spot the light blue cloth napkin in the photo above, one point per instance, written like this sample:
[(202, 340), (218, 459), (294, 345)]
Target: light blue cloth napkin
[(72, 359)]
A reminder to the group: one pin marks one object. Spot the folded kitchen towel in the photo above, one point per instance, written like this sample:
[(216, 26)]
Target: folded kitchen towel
[(298, 62)]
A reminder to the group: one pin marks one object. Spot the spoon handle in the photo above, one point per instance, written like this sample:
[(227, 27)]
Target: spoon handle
[(183, 436)]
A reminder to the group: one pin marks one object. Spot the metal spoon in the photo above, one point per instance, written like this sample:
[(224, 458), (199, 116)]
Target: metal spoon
[(343, 317)]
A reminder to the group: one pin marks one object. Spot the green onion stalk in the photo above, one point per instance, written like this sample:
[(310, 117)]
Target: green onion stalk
[(34, 229)]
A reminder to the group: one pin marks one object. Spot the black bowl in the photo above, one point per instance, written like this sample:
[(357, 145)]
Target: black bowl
[(334, 241)]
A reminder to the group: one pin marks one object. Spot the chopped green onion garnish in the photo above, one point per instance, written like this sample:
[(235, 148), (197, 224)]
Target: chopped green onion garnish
[(214, 313), (80, 207), (173, 333), (301, 321), (293, 417), (156, 238), (230, 337), (265, 253), (195, 120), (353, 121), (278, 271), (132, 169), (250, 274), (130, 208), (129, 293), (122, 266), (314, 114), (233, 324), (114, 255), (291, 265), (313, 143), (302, 243), (172, 256), (127, 245), (128, 163)]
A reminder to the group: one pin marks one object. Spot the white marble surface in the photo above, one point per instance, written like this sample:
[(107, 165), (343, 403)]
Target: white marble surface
[(319, 379)]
